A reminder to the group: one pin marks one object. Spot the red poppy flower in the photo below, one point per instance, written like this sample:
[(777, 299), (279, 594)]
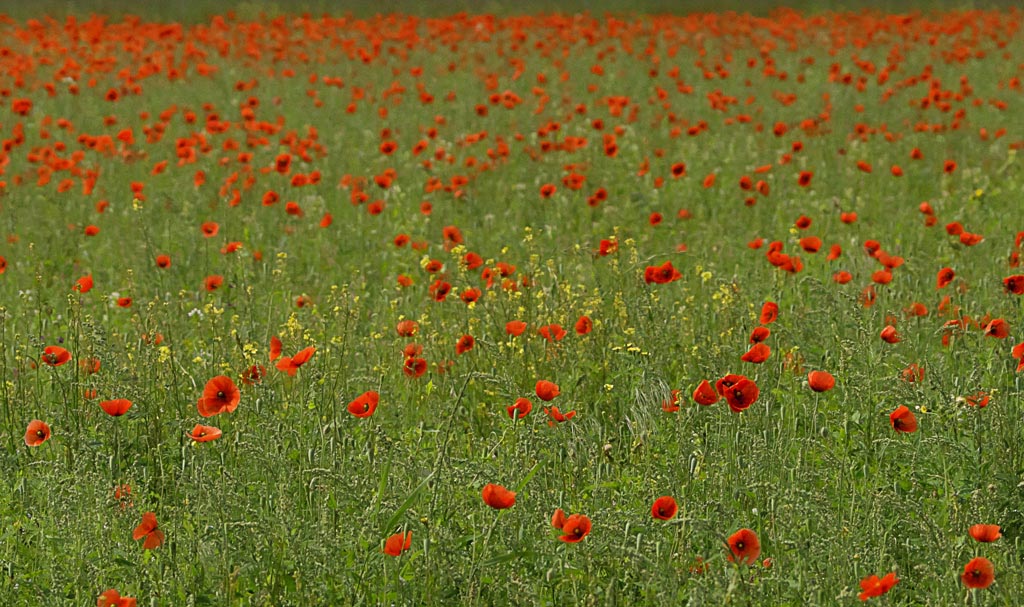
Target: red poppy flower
[(741, 394), (547, 190), (55, 356), (903, 420), (365, 404), (665, 273), (575, 528), (842, 277), (547, 390), (37, 433), (291, 364), (821, 381), (465, 344), (1014, 284), (472, 260), (705, 394), (213, 282), (978, 573), (804, 178), (163, 261), (210, 229), (834, 252), (275, 348), (414, 367), (868, 296), (515, 328), (412, 349), (552, 332), (944, 277), (113, 598), (948, 166), (148, 529), (872, 586), (985, 533), (219, 395), (254, 375), (889, 335), (557, 416), (848, 218), (759, 334), (520, 409), (978, 399), (439, 289), (116, 408), (451, 234), (407, 328), (558, 519), (91, 230), (727, 382), (498, 497), (203, 434), (882, 277), (913, 373), (997, 328), (671, 405), (969, 239), (769, 312), (584, 325), (398, 543), (607, 247), (470, 295), (664, 508), (916, 309), (757, 354), (811, 244), (89, 366), (744, 547)]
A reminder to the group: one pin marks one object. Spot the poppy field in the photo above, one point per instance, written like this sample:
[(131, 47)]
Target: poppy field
[(539, 309)]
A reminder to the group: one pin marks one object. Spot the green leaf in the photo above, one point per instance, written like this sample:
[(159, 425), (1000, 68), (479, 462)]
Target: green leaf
[(406, 504), (529, 475)]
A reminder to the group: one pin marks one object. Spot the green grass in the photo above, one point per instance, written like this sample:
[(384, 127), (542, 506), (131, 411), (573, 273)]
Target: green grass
[(293, 504)]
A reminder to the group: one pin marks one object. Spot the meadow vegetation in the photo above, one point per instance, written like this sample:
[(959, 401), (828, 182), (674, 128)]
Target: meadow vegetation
[(520, 309)]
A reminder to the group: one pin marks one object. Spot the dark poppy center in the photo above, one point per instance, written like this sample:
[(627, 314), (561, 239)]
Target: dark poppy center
[(739, 545), (220, 394), (40, 433), (366, 407)]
